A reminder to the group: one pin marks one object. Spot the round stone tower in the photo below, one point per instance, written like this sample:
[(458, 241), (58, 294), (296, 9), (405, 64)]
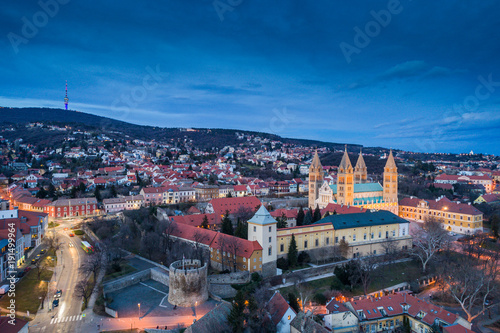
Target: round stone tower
[(188, 284)]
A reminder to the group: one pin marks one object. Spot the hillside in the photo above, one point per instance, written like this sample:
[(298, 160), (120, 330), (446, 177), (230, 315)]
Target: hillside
[(202, 137)]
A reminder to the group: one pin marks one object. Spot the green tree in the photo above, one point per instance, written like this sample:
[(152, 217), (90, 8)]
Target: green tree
[(292, 300), (300, 217), (227, 225), (495, 225), (317, 214), (292, 253), (113, 191), (406, 325), (241, 230), (204, 223), (236, 317), (97, 193), (41, 193), (281, 221)]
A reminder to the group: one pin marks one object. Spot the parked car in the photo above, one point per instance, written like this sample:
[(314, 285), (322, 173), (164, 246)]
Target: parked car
[(33, 261), (55, 303), (58, 294), (27, 269), (43, 251), (71, 235), (20, 274)]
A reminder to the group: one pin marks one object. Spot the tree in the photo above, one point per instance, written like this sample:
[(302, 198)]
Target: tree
[(97, 194), (472, 283), (53, 242), (83, 289), (300, 217), (364, 271), (344, 248), (308, 219), (281, 221), (292, 300), (41, 194), (304, 290), (150, 242), (227, 225), (236, 317), (428, 240), (495, 226), (199, 238), (241, 230), (91, 265), (317, 214), (292, 252), (40, 265), (204, 223)]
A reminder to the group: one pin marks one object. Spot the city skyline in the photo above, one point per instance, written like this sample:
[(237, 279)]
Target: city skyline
[(414, 76)]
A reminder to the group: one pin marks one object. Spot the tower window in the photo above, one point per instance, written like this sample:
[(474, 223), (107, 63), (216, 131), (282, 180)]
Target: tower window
[(270, 250), (305, 244), (270, 229), (254, 229)]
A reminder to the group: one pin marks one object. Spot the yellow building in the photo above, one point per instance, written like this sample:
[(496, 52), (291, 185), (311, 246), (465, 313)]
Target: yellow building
[(455, 216), (352, 188), (369, 233)]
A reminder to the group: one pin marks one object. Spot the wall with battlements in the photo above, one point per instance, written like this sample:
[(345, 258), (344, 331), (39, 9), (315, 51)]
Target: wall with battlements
[(188, 284)]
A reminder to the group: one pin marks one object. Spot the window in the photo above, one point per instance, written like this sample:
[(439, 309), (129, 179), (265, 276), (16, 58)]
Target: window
[(364, 236), (254, 260), (327, 240), (269, 239), (373, 235), (336, 240), (316, 242), (270, 229), (282, 247), (305, 244), (380, 234), (394, 233), (374, 251), (244, 260), (270, 250), (254, 229), (289, 317), (353, 238), (387, 234)]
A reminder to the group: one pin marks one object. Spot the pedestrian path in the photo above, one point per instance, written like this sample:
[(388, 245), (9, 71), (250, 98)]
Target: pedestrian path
[(65, 319)]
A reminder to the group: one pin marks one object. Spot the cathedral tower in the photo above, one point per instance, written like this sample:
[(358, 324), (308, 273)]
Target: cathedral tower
[(345, 181), (390, 180), (315, 180), (360, 171)]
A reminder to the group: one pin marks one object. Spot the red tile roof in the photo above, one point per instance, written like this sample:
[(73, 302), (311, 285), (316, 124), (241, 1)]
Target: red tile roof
[(220, 205), (195, 220), (443, 204), (342, 209), (244, 247), (456, 328)]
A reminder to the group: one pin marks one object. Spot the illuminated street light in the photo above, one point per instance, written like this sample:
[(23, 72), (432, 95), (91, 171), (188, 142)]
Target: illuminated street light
[(139, 305)]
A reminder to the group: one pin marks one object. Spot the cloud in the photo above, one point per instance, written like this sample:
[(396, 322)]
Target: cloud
[(405, 70)]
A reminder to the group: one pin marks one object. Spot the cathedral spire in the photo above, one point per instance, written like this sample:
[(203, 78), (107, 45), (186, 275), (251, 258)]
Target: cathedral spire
[(316, 163), (345, 164), (360, 164), (390, 161), (360, 170)]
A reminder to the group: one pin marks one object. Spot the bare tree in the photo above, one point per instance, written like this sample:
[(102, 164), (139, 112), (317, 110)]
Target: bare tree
[(53, 242), (244, 213), (83, 289), (150, 243), (232, 245), (222, 248), (364, 271), (391, 251), (40, 265), (472, 285), (304, 290), (91, 265), (428, 240), (199, 239)]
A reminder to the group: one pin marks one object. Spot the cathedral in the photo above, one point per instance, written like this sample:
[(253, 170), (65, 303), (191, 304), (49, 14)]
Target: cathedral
[(352, 188)]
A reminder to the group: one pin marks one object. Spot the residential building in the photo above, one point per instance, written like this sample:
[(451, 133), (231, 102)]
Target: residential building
[(72, 207), (368, 233), (281, 312), (339, 318), (119, 204)]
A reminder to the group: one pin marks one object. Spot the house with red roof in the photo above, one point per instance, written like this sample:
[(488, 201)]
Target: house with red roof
[(339, 318), (17, 325), (281, 312), (196, 220), (454, 216), (488, 198), (386, 313), (219, 206)]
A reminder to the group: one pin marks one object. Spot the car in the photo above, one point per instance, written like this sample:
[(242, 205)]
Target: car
[(33, 261), (27, 269), (38, 256), (65, 228), (20, 274), (58, 294), (55, 303), (43, 251), (452, 234), (71, 235)]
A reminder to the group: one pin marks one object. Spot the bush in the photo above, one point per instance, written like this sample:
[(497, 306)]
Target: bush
[(319, 298), (282, 263), (336, 284), (79, 232), (256, 277), (303, 258)]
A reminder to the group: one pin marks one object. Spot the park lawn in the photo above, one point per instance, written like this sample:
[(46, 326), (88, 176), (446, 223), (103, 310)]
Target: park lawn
[(28, 291), (385, 276), (49, 262), (126, 269), (53, 224)]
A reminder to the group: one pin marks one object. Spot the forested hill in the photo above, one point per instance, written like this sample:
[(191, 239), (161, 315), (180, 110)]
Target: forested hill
[(202, 137)]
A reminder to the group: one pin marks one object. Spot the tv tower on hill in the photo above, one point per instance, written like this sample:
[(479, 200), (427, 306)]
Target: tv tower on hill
[(66, 99)]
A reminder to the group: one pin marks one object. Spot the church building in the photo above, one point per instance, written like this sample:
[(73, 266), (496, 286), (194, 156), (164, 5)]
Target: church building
[(352, 187)]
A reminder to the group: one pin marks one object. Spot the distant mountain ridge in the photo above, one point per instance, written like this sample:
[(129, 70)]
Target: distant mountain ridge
[(202, 137)]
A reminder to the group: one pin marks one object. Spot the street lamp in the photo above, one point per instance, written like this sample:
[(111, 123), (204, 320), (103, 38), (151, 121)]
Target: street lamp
[(139, 305)]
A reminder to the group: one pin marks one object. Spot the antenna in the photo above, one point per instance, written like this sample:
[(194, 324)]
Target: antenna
[(66, 99)]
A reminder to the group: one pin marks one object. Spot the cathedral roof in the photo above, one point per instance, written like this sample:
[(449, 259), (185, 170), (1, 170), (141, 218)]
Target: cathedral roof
[(390, 161), (363, 187), (262, 217), (346, 162), (360, 164), (316, 163)]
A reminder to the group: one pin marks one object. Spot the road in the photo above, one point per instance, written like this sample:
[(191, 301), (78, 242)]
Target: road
[(67, 317)]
